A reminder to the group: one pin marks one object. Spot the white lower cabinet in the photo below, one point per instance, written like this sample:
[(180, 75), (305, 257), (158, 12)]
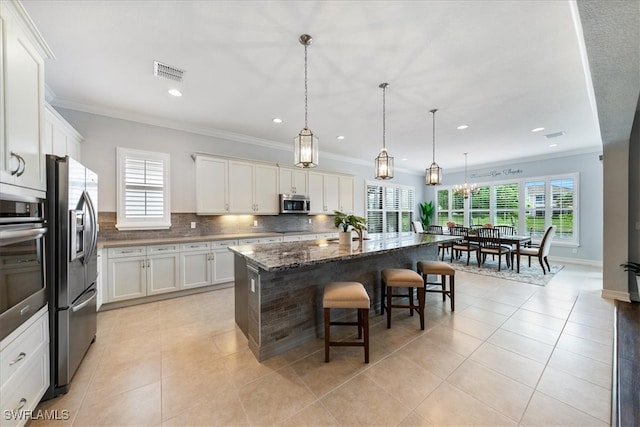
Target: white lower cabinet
[(24, 369), (206, 263), (138, 271)]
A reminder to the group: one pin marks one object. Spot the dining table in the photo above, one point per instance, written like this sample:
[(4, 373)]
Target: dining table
[(516, 240)]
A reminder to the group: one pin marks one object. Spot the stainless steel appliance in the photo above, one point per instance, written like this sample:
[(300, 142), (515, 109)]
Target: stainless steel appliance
[(23, 289), (72, 195), (294, 203)]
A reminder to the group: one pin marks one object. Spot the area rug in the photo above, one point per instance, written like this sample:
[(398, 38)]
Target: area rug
[(527, 274)]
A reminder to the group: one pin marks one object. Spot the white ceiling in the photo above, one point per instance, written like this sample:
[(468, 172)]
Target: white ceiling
[(502, 67)]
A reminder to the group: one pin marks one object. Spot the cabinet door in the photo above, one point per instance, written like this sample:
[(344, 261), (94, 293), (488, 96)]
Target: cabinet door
[(222, 266), (332, 193), (316, 192), (23, 161), (127, 278), (241, 179), (195, 269), (211, 185), (266, 189), (293, 181), (163, 273), (346, 194)]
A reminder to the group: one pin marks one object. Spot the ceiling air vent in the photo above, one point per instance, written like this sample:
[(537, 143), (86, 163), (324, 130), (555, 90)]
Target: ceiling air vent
[(167, 71), (554, 135)]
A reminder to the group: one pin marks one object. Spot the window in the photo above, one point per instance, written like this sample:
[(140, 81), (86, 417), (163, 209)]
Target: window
[(531, 205), (390, 208), (143, 190)]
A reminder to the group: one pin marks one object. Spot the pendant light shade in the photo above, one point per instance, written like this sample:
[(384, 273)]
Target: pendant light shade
[(384, 162), (434, 173), (305, 151)]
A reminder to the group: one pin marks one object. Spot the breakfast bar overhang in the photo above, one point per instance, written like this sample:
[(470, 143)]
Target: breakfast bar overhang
[(278, 286)]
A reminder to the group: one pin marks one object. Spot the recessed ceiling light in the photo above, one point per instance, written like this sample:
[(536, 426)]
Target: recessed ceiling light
[(404, 159), (175, 92), (277, 120), (553, 145), (341, 137), (537, 129), (462, 127)]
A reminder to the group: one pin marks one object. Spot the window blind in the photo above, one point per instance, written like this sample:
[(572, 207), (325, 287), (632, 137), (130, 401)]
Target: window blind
[(144, 188)]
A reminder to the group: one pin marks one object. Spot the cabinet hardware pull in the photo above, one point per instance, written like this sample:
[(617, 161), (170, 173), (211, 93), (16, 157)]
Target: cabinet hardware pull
[(23, 402), (13, 172), (24, 165), (21, 356), (148, 263), (143, 263), (127, 252)]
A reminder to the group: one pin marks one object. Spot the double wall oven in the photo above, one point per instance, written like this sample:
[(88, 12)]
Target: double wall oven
[(23, 290)]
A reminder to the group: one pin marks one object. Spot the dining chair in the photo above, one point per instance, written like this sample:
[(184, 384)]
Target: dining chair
[(442, 247), (464, 244), (490, 243), (541, 251), (417, 227), (506, 230)]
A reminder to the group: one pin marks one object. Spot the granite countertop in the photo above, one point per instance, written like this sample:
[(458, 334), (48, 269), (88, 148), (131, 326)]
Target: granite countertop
[(190, 239), (288, 255)]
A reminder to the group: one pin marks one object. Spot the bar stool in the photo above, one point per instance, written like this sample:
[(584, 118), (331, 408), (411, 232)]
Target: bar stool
[(402, 278), (443, 270), (346, 295)]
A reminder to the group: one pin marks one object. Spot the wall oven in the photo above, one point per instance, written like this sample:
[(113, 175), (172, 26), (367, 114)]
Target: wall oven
[(23, 289)]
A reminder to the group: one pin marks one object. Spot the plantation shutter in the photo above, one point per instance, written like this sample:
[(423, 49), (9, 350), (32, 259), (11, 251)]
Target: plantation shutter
[(144, 188), (374, 209), (562, 196)]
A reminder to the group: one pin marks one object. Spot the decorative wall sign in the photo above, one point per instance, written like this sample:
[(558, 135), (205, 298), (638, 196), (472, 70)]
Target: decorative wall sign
[(495, 173)]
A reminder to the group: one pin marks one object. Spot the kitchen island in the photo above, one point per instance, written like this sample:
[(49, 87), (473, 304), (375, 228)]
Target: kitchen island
[(279, 286)]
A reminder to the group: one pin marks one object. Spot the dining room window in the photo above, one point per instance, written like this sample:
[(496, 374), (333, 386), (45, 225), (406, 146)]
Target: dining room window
[(390, 208), (531, 205)]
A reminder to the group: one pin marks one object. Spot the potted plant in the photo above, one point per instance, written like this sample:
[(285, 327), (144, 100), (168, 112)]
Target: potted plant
[(633, 267), (345, 221), (426, 213)]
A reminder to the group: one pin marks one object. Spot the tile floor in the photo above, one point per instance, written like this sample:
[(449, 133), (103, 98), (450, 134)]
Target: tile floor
[(511, 354)]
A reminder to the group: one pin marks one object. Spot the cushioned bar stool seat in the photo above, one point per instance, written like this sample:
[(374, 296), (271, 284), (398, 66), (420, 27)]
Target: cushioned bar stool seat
[(402, 278), (443, 270), (346, 295)]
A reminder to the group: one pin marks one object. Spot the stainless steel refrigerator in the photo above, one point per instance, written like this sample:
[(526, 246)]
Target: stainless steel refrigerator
[(72, 204)]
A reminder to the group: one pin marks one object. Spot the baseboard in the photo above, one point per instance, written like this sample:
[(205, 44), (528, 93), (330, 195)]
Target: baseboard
[(577, 261), (616, 295)]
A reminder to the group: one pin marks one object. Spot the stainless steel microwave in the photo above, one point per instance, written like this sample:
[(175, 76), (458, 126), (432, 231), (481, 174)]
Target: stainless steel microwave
[(294, 203)]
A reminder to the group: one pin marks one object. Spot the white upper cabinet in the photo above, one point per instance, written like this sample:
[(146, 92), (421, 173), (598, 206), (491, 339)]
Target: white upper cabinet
[(231, 186), (294, 181), (330, 192), (22, 54), (60, 138), (212, 178)]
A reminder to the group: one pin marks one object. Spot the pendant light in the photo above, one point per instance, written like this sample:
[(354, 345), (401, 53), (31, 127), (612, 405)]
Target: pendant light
[(305, 151), (434, 173), (465, 189), (384, 162)]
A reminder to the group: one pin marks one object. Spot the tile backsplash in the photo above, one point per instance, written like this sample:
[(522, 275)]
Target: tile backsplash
[(218, 224)]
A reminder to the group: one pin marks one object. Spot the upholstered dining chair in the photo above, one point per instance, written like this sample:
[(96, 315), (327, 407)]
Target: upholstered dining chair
[(541, 251), (490, 243), (417, 227)]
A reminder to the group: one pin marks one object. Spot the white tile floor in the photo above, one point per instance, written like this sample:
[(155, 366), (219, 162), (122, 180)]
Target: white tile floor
[(511, 354)]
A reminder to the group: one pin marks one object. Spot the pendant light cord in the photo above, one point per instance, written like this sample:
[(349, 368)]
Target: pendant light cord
[(305, 87), (433, 113), (384, 91)]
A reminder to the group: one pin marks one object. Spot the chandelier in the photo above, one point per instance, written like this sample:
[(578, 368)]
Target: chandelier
[(434, 173), (384, 162), (465, 189), (305, 150)]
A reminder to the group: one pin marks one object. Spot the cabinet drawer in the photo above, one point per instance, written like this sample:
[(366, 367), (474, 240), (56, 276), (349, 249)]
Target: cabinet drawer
[(127, 252), (275, 239), (163, 249), (294, 238), (25, 389), (196, 246), (248, 241), (223, 244), (15, 356)]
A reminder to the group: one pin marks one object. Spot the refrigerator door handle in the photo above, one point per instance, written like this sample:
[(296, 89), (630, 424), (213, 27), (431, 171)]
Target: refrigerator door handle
[(86, 302), (94, 226)]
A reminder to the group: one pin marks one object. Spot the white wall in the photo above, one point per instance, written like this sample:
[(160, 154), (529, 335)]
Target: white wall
[(590, 170), (103, 134)]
